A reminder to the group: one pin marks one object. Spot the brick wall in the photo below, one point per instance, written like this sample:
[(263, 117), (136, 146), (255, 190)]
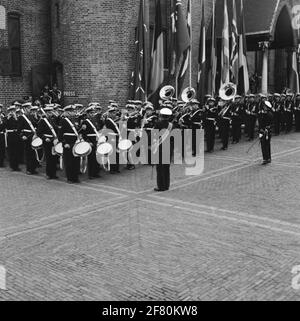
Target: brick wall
[(35, 45), (95, 44)]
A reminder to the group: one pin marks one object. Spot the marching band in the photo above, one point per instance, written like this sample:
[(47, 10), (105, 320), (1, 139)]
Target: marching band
[(69, 137)]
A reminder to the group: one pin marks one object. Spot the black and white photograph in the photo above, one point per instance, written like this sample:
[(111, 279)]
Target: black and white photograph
[(149, 153)]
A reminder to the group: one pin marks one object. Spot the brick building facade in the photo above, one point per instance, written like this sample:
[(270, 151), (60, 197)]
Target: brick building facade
[(24, 45), (87, 46)]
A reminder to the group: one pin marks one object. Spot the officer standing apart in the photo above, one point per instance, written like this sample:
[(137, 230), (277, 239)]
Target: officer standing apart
[(163, 166), (265, 118)]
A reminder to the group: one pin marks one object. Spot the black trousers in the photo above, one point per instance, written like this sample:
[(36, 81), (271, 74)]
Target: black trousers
[(30, 157), (297, 120), (288, 121), (277, 122), (224, 131), (13, 149), (266, 146), (210, 133), (51, 160), (2, 149), (71, 164), (163, 177), (251, 124), (236, 130), (93, 166)]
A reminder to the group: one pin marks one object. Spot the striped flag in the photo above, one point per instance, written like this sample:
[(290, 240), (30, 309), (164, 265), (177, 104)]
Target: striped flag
[(183, 43), (294, 77), (157, 61), (202, 58), (212, 69), (139, 76), (225, 75), (243, 84), (234, 58)]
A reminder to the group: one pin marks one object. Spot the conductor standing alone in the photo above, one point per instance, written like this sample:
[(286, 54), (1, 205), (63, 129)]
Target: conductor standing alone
[(163, 167)]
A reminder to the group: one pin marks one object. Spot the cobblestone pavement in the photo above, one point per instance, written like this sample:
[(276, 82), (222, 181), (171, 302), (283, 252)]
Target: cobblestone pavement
[(232, 233)]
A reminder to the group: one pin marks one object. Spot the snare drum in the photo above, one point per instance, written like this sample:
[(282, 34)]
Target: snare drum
[(37, 143), (104, 149), (58, 149), (102, 155), (82, 149), (125, 145)]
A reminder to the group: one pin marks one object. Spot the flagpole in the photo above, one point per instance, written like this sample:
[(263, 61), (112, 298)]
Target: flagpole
[(191, 43)]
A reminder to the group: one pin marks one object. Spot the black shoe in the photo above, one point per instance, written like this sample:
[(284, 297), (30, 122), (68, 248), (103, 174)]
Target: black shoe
[(269, 161), (130, 167), (224, 148), (16, 169), (265, 162), (52, 177), (158, 190)]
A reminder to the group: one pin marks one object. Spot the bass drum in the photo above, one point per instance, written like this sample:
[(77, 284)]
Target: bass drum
[(82, 149), (37, 143)]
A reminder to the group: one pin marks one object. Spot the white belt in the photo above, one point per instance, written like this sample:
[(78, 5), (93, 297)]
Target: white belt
[(92, 135), (49, 136), (11, 130), (69, 134), (212, 119), (27, 130)]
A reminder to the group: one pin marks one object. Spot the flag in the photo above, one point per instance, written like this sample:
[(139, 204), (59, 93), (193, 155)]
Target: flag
[(139, 76), (202, 58), (294, 77), (225, 48), (157, 61), (180, 44), (234, 58), (183, 43), (172, 60), (243, 84), (212, 68)]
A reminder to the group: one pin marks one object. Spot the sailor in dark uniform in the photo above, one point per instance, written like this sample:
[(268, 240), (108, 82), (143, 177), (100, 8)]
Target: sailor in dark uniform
[(236, 116), (197, 120), (68, 135), (47, 130), (27, 129), (224, 124), (2, 136), (210, 124), (90, 135), (277, 113), (251, 116), (289, 112), (265, 119), (163, 168), (297, 112), (13, 143), (111, 123)]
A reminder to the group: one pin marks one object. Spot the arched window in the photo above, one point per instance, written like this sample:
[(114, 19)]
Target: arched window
[(2, 18), (14, 43)]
